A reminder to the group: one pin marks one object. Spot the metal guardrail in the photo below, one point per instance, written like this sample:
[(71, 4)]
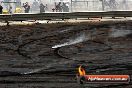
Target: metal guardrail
[(59, 15)]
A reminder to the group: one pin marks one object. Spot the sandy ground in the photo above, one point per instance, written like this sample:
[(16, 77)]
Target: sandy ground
[(48, 55)]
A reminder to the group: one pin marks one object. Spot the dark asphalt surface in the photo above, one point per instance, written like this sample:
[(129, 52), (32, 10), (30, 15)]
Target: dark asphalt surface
[(48, 55)]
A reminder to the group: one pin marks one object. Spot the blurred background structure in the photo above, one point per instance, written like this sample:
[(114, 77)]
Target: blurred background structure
[(101, 5), (16, 6)]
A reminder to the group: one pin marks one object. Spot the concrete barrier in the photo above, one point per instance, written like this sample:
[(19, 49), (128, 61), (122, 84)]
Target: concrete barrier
[(61, 15)]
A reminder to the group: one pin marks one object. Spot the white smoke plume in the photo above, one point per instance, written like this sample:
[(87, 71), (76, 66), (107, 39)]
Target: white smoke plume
[(119, 33), (33, 71), (79, 39)]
